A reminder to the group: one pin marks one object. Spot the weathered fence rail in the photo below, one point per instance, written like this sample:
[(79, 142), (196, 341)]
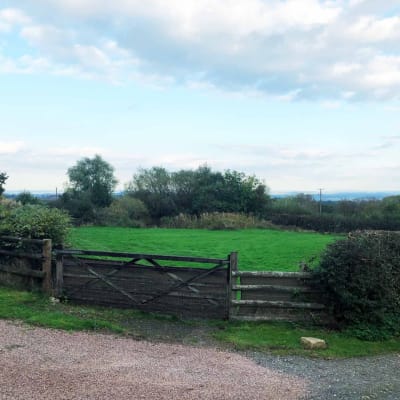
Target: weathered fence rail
[(26, 263), (274, 296)]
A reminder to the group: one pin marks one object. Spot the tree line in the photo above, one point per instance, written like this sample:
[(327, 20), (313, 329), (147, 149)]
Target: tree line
[(155, 195)]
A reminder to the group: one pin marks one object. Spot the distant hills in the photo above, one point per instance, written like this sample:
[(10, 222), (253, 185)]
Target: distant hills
[(334, 196)]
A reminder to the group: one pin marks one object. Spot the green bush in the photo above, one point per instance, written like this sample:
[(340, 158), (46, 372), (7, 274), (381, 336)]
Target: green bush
[(36, 222), (78, 205), (125, 211), (360, 281)]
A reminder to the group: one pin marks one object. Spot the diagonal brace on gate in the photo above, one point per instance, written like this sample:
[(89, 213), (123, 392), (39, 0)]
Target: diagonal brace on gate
[(182, 284), (102, 278), (153, 263), (109, 283)]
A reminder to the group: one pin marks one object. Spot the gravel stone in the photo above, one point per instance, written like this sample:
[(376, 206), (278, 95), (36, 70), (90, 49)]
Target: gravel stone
[(366, 378), (37, 363)]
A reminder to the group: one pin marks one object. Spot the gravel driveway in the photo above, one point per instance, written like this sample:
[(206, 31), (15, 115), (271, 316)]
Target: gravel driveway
[(43, 364), (369, 378), (38, 363)]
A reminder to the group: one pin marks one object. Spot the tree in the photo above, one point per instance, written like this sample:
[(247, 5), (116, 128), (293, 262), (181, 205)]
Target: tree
[(94, 179), (3, 178), (154, 188), (27, 198), (198, 191)]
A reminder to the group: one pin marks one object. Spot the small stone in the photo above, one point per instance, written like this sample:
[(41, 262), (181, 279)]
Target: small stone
[(313, 343), (54, 300)]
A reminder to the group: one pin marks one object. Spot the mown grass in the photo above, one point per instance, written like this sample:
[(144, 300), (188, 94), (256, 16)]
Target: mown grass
[(276, 338), (283, 338), (259, 249), (36, 309)]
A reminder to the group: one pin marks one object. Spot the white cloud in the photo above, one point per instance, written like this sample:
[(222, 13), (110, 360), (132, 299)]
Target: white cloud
[(383, 72), (342, 68), (76, 152), (10, 17), (286, 49), (7, 148), (371, 29)]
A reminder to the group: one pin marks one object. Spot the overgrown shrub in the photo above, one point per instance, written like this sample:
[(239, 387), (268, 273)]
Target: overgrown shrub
[(37, 222), (125, 211), (360, 281), (78, 205), (214, 221)]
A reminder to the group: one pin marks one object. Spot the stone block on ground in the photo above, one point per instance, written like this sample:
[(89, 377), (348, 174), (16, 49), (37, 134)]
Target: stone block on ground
[(313, 343)]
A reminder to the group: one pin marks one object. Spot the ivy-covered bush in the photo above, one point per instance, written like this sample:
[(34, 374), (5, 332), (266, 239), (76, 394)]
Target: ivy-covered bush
[(36, 222), (360, 280)]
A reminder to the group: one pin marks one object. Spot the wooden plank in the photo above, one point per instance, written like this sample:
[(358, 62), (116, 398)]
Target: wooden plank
[(270, 318), (144, 256), (20, 239), (153, 281), (269, 296), (233, 267), (282, 288), (273, 274), (101, 292), (144, 292), (20, 254), (173, 302), (138, 279), (128, 270), (102, 289), (18, 271), (266, 280), (138, 282), (46, 267), (278, 304), (59, 276)]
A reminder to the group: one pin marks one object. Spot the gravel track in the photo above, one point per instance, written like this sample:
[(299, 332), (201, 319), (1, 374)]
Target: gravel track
[(367, 378), (37, 363)]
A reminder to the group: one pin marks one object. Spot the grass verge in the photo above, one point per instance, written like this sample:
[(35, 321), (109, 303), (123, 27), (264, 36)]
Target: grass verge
[(276, 338), (284, 338)]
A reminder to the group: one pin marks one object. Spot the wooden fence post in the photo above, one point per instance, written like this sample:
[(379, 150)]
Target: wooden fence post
[(59, 275), (233, 267), (47, 285)]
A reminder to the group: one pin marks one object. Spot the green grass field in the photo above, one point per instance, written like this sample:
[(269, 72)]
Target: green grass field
[(259, 249)]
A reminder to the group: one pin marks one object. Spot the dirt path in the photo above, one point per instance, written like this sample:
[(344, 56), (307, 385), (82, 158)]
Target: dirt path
[(38, 363)]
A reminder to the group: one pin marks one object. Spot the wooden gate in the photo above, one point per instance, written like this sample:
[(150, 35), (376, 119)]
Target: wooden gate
[(184, 286)]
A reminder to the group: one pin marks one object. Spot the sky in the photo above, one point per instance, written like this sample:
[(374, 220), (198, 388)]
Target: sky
[(304, 94)]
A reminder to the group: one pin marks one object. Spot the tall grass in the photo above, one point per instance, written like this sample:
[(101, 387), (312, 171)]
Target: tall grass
[(214, 221)]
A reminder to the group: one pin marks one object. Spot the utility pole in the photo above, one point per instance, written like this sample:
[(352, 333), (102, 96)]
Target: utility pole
[(320, 200)]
